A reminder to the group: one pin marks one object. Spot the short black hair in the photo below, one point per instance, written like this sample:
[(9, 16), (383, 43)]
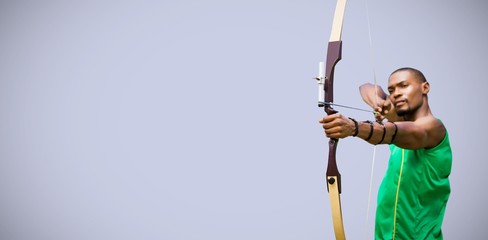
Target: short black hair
[(418, 74)]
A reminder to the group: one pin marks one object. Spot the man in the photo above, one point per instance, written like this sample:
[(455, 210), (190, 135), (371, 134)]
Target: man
[(413, 194)]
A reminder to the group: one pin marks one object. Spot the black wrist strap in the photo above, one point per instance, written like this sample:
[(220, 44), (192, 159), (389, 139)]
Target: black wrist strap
[(356, 131), (384, 133), (394, 134), (370, 130)]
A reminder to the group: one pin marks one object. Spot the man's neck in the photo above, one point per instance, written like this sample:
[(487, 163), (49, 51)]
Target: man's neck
[(421, 112)]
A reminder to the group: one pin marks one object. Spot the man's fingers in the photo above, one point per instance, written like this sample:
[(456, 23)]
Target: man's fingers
[(334, 131), (335, 125), (329, 118)]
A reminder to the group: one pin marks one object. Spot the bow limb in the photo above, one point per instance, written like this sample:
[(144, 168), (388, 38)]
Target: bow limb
[(334, 186), (334, 55)]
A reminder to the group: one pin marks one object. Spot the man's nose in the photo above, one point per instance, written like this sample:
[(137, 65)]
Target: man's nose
[(396, 93)]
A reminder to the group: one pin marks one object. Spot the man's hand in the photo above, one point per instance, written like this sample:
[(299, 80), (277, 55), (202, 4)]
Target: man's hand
[(382, 108), (375, 97), (385, 109), (337, 126)]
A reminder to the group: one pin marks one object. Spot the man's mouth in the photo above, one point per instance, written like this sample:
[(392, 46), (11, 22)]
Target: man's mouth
[(400, 102)]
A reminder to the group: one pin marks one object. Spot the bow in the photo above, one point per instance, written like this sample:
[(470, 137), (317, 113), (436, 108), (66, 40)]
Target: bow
[(326, 100)]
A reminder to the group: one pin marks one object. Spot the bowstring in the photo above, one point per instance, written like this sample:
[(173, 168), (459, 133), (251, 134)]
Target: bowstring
[(376, 103)]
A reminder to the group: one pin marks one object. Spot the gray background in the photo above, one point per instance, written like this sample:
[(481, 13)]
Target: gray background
[(198, 119)]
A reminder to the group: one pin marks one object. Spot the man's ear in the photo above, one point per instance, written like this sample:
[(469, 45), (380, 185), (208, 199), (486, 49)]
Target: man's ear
[(425, 88)]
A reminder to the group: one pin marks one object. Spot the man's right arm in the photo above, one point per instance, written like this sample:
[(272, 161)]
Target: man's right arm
[(372, 94)]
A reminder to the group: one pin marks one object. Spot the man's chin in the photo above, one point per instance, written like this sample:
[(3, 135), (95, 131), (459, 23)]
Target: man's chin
[(402, 113)]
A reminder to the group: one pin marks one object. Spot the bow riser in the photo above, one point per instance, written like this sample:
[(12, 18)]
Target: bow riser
[(334, 55)]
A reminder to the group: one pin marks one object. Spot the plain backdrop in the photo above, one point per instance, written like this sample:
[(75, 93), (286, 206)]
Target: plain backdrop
[(199, 120)]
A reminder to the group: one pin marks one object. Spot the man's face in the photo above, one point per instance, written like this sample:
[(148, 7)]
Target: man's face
[(406, 92)]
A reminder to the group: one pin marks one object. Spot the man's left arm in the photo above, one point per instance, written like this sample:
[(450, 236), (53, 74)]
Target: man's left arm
[(423, 133)]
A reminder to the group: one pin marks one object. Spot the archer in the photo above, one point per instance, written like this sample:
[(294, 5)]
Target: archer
[(414, 192)]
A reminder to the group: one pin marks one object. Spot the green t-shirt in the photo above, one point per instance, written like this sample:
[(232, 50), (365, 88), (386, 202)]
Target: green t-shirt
[(413, 195)]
